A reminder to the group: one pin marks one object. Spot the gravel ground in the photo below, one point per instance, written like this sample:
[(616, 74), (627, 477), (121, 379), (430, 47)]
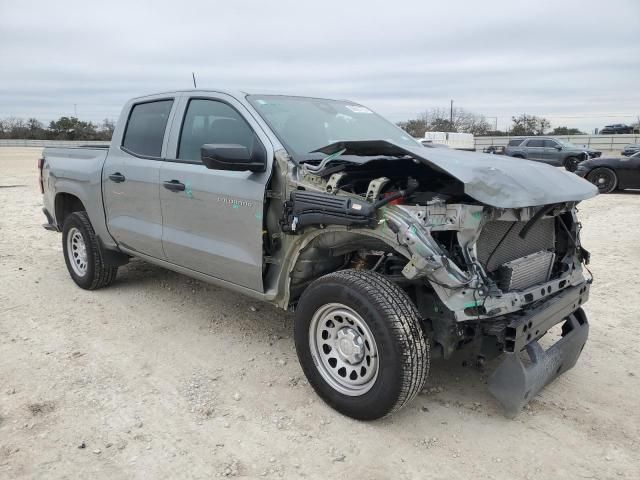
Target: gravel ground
[(161, 376)]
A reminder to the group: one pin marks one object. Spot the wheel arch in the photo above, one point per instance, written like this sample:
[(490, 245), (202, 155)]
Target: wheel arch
[(65, 204), (330, 242)]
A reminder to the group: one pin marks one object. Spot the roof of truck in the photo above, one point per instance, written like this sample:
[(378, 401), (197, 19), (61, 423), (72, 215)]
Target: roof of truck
[(233, 93)]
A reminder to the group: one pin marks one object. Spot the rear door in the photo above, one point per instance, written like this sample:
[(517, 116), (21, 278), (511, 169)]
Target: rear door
[(214, 225), (130, 176), (535, 149)]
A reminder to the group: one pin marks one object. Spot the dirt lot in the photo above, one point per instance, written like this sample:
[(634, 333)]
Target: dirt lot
[(160, 376)]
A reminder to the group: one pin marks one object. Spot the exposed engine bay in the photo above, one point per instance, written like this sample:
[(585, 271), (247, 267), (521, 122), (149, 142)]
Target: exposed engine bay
[(466, 264)]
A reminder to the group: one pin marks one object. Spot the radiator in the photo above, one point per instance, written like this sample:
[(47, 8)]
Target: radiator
[(500, 242), (525, 272)]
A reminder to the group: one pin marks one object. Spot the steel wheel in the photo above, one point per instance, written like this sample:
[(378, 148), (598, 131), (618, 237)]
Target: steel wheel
[(603, 178), (77, 251), (345, 349)]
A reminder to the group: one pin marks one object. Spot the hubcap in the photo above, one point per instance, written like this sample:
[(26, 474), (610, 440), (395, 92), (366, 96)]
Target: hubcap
[(343, 349), (603, 181), (77, 251)]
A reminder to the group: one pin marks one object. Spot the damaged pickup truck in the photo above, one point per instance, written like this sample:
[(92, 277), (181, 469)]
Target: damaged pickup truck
[(390, 253)]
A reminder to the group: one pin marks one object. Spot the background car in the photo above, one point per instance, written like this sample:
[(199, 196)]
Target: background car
[(616, 128), (495, 149), (612, 173), (430, 144), (550, 150), (631, 149)]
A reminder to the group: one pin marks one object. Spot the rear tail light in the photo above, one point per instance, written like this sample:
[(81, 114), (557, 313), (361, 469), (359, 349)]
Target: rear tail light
[(40, 178)]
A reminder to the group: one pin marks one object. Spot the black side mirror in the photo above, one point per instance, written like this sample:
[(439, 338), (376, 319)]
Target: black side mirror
[(235, 158), (558, 147)]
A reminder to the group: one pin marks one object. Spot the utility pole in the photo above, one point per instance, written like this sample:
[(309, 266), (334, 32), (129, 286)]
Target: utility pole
[(451, 116), (194, 79)]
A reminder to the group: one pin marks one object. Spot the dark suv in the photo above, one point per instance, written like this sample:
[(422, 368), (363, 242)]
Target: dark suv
[(616, 128), (549, 150)]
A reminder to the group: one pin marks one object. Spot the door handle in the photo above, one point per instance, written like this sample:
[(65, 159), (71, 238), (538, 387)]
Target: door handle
[(174, 186), (117, 177)]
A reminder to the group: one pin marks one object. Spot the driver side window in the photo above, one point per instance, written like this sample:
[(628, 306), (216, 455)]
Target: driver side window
[(212, 121)]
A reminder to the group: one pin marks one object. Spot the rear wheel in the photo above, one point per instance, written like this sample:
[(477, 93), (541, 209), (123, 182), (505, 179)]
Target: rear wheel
[(360, 343), (82, 254), (604, 178), (571, 163)]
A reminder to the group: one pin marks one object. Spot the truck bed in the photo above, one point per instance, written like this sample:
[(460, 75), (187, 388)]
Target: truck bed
[(76, 171)]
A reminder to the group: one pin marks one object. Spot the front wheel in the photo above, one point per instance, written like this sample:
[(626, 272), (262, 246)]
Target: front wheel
[(604, 178), (82, 254), (571, 164), (361, 344)]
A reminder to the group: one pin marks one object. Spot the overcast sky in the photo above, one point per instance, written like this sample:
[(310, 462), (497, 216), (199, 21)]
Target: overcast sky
[(575, 62)]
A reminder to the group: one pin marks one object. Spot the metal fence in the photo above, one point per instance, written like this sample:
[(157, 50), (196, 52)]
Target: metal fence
[(607, 143), (48, 143)]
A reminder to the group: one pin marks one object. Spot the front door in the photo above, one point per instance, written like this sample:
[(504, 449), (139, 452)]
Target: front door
[(130, 178), (212, 219), (553, 152)]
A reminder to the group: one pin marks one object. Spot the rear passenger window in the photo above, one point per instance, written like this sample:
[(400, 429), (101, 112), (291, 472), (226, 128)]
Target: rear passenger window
[(145, 128), (535, 143), (210, 121)]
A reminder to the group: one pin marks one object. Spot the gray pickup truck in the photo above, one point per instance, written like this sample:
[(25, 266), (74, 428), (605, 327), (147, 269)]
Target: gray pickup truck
[(550, 150), (389, 253)]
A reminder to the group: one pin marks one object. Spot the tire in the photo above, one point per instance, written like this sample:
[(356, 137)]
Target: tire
[(604, 178), (82, 254), (380, 324), (571, 163)]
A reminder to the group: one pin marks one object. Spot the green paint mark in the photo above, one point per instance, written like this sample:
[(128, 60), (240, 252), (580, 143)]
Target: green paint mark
[(477, 215), (334, 155), (259, 215), (187, 190), (472, 304), (234, 205), (413, 229)]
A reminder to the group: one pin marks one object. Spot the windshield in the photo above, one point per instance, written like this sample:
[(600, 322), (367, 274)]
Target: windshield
[(305, 124)]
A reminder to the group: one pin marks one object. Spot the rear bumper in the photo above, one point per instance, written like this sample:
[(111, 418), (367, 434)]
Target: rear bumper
[(515, 382)]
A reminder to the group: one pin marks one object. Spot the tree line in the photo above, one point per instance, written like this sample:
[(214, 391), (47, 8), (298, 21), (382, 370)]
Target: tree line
[(462, 121), (65, 128)]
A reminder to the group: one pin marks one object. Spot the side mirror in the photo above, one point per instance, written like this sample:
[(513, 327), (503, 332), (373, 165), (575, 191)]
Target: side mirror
[(558, 147), (232, 157)]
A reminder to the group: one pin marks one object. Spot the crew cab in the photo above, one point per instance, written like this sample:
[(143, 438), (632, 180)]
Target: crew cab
[(389, 253)]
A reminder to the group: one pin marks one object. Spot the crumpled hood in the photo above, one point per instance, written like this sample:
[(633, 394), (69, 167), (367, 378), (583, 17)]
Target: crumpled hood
[(495, 180)]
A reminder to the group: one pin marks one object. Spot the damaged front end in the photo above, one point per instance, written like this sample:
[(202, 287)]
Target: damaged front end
[(489, 252)]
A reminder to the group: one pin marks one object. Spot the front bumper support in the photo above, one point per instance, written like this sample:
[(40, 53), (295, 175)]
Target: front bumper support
[(515, 382)]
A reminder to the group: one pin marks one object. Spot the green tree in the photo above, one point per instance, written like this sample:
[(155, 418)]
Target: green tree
[(529, 125), (566, 131), (70, 128)]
